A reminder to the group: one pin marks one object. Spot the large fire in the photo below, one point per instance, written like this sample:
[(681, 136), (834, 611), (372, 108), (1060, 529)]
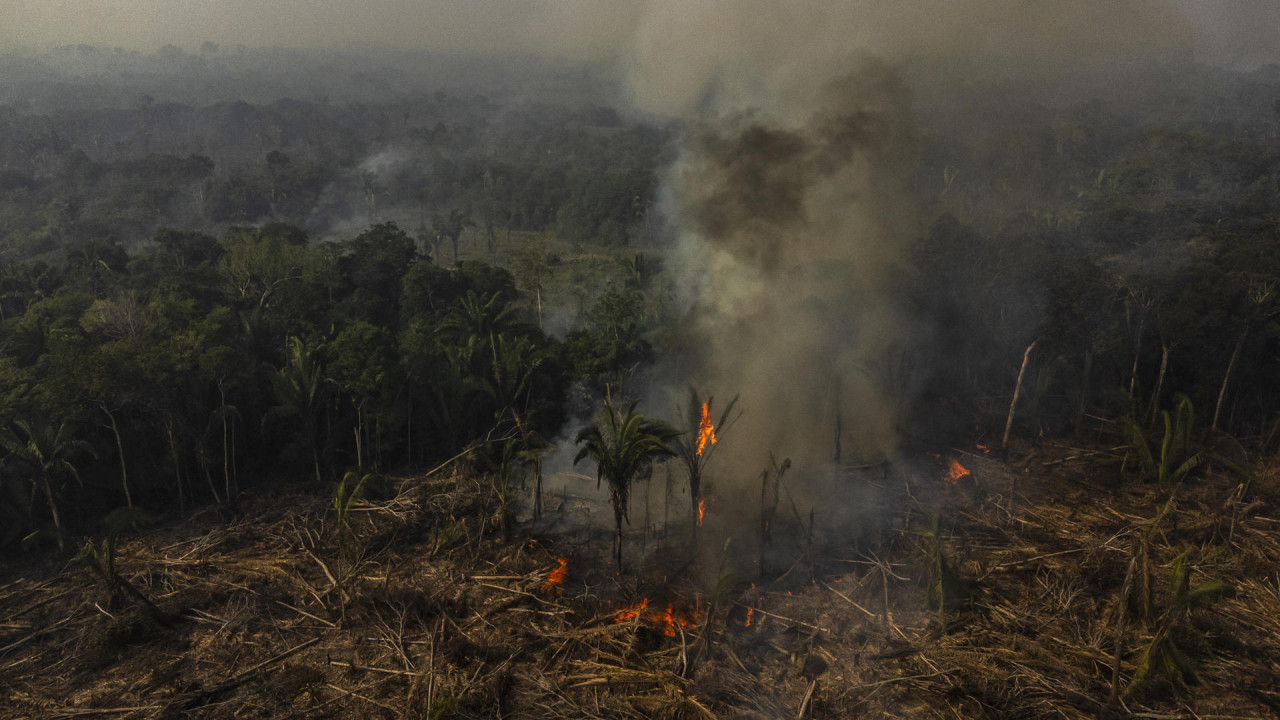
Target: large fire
[(706, 431), (555, 578), (670, 620), (955, 471)]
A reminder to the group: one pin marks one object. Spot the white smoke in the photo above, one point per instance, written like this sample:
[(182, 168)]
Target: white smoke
[(790, 190)]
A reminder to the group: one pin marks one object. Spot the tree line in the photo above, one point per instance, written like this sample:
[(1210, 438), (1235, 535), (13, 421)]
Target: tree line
[(199, 366), (73, 174)]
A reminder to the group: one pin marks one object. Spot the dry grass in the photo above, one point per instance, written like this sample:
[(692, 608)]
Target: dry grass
[(441, 618)]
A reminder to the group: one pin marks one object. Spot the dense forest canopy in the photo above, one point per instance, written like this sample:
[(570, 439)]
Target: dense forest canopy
[(649, 358), (224, 266)]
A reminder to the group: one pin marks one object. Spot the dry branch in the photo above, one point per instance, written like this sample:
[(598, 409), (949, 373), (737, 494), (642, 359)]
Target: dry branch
[(241, 677), (366, 668), (85, 712), (1017, 389)]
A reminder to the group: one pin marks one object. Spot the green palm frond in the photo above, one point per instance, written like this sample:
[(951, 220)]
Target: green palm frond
[(1138, 439), (1179, 453), (1163, 653), (623, 445)]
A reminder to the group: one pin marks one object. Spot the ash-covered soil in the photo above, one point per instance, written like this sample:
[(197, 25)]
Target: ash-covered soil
[(1005, 594)]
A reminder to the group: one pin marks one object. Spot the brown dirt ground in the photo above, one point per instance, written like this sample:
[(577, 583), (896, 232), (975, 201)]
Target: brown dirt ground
[(267, 617)]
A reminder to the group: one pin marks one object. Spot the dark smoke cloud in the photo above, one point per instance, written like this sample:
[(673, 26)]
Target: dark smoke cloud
[(790, 193), (792, 247), (745, 188)]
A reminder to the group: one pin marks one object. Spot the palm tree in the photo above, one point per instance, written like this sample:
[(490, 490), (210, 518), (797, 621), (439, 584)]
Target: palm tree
[(302, 390), (514, 362), (451, 227), (623, 445), (510, 383), (481, 315), (695, 445), (46, 451)]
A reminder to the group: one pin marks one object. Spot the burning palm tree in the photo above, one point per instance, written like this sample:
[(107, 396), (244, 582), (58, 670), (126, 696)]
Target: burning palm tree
[(623, 445), (695, 445)]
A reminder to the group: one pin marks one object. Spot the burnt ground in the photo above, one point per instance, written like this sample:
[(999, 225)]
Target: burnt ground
[(430, 613)]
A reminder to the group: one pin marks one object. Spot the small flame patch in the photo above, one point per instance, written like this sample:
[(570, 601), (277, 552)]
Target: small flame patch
[(955, 471), (670, 620), (556, 577), (631, 612)]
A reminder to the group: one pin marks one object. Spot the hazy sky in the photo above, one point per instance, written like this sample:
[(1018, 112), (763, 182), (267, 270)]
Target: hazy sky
[(1230, 31), (568, 27)]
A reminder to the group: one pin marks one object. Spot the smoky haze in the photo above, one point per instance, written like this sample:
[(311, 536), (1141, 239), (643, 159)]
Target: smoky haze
[(791, 189), (794, 248), (577, 29), (760, 39)]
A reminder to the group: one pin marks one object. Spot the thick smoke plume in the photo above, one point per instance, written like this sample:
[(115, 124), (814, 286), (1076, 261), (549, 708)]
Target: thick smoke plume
[(791, 191), (793, 243)]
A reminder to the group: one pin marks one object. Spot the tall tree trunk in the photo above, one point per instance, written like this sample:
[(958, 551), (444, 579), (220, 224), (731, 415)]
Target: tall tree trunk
[(177, 465), (208, 476), (1017, 389), (226, 459), (764, 520), (695, 494), (408, 433), (644, 542), (537, 487), (313, 430), (1133, 374), (1084, 391), (1155, 398), (1222, 393), (617, 537), (666, 503), (53, 506), (124, 471), (359, 437), (235, 470)]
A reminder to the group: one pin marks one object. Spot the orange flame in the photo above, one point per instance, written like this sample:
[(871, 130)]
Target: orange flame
[(702, 510), (984, 448), (706, 431), (750, 612), (555, 578), (955, 471), (631, 612), (680, 618), (670, 620)]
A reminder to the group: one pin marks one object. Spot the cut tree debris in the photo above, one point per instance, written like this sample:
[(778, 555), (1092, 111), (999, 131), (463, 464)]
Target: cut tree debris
[(438, 617)]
